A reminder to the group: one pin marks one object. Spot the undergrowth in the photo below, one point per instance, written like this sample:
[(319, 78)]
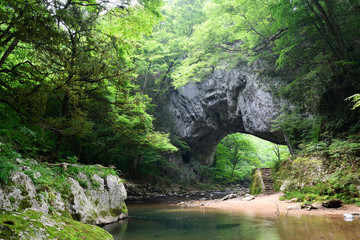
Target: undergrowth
[(322, 171), (7, 162), (47, 176)]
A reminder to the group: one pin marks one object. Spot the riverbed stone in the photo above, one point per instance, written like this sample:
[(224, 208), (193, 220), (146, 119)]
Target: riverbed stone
[(249, 198)]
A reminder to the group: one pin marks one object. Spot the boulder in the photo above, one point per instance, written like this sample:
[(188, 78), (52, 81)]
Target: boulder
[(229, 196), (99, 203), (248, 198)]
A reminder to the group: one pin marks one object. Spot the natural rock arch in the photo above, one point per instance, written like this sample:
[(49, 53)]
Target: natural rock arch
[(230, 101)]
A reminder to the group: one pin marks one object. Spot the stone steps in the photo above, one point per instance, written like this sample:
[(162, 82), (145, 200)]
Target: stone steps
[(268, 182)]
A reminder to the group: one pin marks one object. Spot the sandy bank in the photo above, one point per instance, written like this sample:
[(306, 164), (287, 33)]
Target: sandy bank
[(267, 205)]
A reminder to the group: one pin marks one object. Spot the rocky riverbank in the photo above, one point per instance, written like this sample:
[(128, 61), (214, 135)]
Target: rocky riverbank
[(144, 191)]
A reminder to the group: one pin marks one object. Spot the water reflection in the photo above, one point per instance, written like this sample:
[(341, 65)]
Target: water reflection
[(159, 221)]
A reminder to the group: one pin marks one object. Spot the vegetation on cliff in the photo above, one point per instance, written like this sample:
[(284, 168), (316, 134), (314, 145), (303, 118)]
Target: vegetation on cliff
[(322, 171)]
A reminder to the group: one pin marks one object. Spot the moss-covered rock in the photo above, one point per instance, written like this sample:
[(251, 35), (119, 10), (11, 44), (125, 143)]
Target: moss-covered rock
[(319, 176), (90, 194), (31, 224), (256, 185)]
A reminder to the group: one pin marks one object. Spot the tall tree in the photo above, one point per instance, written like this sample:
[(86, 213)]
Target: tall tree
[(235, 150)]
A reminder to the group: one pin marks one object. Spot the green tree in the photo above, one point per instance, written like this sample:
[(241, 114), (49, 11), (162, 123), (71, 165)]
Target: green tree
[(235, 157), (67, 71), (314, 42)]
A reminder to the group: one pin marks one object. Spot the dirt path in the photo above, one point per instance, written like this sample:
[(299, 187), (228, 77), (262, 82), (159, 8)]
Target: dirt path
[(267, 205)]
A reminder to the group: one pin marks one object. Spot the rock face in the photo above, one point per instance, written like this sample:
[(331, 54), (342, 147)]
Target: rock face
[(230, 101), (100, 202)]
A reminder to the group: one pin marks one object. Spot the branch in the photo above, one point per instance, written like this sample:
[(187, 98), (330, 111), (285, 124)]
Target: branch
[(9, 51), (19, 112), (251, 27), (277, 212), (266, 42), (65, 165), (228, 49)]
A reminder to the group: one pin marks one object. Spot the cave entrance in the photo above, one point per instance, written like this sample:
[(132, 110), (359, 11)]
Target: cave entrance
[(238, 154)]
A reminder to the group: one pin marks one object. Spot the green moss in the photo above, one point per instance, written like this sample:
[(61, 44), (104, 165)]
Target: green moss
[(12, 199), (95, 184), (25, 203), (124, 209), (116, 211), (30, 225), (255, 186), (83, 183)]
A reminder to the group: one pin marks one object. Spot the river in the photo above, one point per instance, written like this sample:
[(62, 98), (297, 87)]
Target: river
[(171, 222)]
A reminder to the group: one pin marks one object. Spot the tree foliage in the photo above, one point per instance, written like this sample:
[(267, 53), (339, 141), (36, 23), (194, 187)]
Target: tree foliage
[(235, 158), (312, 44), (67, 76)]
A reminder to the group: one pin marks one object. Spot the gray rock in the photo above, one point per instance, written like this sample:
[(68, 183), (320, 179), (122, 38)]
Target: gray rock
[(317, 205), (100, 181), (21, 179), (229, 101), (229, 196), (249, 198), (80, 206), (116, 191), (101, 204), (294, 207)]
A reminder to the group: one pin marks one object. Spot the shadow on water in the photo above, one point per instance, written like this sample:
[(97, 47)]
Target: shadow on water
[(164, 221)]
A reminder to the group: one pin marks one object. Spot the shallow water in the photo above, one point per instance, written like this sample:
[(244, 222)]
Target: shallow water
[(165, 221)]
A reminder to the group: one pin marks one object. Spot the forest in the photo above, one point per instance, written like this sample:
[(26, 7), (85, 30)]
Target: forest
[(94, 110), (82, 81)]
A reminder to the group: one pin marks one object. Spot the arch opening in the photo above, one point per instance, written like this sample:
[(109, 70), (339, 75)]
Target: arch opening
[(237, 154)]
